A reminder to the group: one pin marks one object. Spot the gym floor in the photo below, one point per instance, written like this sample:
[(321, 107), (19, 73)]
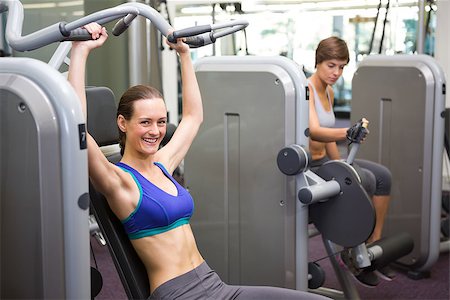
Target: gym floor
[(435, 287)]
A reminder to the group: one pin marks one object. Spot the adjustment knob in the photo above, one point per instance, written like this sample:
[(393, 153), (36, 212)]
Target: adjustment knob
[(292, 160)]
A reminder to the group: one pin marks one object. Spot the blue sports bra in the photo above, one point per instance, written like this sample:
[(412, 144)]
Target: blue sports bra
[(156, 211)]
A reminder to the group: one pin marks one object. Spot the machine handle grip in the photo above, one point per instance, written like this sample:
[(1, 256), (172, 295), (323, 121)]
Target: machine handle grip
[(123, 24), (356, 135), (188, 32), (79, 34), (200, 40), (120, 27)]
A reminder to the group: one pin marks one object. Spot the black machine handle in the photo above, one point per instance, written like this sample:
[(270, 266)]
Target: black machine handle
[(202, 35), (188, 32), (120, 27), (79, 34), (123, 24), (200, 40)]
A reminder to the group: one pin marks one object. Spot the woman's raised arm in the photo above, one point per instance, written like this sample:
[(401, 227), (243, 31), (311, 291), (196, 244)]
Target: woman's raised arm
[(78, 58), (192, 112), (99, 166)]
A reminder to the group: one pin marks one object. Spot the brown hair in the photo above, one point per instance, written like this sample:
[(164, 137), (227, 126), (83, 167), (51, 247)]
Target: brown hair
[(332, 48), (126, 104)]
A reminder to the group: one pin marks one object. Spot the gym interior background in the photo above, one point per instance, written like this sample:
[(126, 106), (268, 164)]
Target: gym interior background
[(291, 28)]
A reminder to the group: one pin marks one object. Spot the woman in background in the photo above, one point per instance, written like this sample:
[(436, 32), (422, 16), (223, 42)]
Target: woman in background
[(332, 56)]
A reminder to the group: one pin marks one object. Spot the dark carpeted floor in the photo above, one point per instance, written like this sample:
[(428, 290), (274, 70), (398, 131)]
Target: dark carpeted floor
[(402, 287)]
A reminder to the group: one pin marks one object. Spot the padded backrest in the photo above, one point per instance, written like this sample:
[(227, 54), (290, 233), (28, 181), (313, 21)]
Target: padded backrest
[(102, 108), (129, 267), (102, 126)]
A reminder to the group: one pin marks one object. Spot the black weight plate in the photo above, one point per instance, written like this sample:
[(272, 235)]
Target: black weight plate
[(347, 219)]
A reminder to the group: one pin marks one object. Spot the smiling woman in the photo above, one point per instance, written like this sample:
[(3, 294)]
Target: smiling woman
[(141, 191), (141, 99)]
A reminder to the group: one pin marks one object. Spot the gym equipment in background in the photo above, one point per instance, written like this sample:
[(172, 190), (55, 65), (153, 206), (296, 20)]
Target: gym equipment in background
[(403, 97), (246, 213), (251, 221)]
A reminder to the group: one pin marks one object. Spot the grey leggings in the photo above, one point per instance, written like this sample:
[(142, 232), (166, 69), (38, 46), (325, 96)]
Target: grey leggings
[(375, 178), (202, 283)]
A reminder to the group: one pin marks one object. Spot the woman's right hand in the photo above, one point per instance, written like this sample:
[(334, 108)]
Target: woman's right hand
[(99, 36), (358, 132), (179, 46)]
